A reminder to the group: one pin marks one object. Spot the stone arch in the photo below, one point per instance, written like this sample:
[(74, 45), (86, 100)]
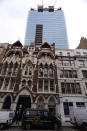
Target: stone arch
[(40, 102), (52, 104), (52, 98), (24, 92), (23, 100), (8, 94), (7, 102)]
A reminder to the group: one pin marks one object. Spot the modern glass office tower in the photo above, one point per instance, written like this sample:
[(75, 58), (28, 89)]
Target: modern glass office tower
[(46, 25)]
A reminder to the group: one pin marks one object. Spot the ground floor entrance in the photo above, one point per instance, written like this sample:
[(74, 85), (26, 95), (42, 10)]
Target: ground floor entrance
[(23, 103)]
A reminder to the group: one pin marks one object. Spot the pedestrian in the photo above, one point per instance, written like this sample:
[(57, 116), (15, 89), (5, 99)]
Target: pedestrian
[(13, 116), (17, 117)]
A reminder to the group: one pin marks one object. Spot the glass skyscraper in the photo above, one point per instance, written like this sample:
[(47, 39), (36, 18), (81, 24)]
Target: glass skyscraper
[(46, 25)]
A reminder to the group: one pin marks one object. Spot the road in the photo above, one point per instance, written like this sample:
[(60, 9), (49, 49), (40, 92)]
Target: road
[(62, 129)]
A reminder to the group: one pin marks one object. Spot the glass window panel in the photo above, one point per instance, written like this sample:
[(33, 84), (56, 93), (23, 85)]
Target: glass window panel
[(61, 73), (45, 72), (45, 85), (40, 87), (78, 88), (84, 72), (72, 88)]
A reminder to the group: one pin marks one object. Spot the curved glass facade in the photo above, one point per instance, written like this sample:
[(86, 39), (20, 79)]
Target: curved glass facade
[(54, 27)]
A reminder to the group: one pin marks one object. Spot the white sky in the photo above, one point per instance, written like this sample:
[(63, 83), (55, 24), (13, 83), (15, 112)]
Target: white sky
[(13, 18)]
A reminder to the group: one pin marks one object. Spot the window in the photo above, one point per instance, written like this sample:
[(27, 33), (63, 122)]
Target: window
[(86, 85), (1, 82), (40, 72), (24, 83), (74, 74), (68, 53), (51, 72), (10, 68), (30, 70), (85, 53), (12, 84), (40, 87), (15, 70), (81, 62), (84, 72), (45, 85), (80, 104), (66, 63), (29, 83), (45, 72), (72, 63), (60, 53), (1, 49), (26, 70), (78, 88), (61, 73), (77, 53), (6, 83), (63, 88), (66, 106), (4, 69), (70, 88), (59, 63), (51, 85), (68, 73)]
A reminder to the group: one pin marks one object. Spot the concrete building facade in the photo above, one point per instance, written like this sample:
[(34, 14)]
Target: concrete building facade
[(53, 79)]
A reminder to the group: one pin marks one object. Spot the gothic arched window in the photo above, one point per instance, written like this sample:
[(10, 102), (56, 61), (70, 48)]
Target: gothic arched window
[(46, 71), (24, 83), (15, 70), (40, 71), (29, 83), (30, 70), (10, 68), (51, 72), (4, 70)]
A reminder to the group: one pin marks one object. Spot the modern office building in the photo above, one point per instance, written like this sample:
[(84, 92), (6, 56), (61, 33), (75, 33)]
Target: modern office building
[(46, 25)]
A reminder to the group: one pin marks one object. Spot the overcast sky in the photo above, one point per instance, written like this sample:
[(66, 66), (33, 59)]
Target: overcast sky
[(13, 18)]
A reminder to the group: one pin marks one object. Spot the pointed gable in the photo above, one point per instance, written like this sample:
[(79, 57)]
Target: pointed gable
[(17, 43), (46, 45)]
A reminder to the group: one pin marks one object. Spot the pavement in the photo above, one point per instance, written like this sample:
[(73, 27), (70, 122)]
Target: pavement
[(67, 124)]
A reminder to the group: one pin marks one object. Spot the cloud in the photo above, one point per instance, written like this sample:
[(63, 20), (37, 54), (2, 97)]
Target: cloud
[(13, 18)]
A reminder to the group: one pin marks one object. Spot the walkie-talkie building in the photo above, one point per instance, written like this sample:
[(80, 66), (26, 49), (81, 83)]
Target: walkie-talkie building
[(46, 25)]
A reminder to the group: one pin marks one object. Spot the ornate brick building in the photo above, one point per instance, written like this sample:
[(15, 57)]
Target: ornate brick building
[(45, 78)]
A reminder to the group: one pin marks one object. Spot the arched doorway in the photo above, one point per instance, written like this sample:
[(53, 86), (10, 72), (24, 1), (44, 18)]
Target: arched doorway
[(23, 103), (7, 103), (40, 103), (52, 105)]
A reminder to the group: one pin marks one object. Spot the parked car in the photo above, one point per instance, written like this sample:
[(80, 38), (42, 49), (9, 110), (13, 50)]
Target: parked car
[(40, 118), (78, 117), (5, 118)]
